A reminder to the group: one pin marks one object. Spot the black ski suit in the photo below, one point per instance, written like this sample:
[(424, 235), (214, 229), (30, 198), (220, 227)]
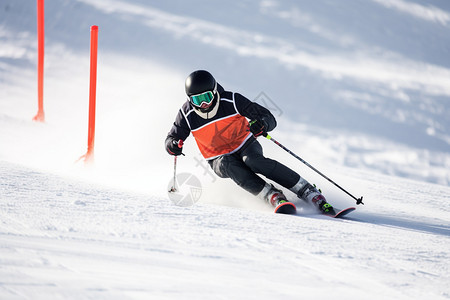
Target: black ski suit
[(228, 146)]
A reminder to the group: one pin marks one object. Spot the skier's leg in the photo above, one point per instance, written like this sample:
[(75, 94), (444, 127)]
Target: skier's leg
[(253, 157), (231, 166)]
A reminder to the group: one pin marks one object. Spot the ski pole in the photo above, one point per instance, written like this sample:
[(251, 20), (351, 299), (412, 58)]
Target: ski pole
[(173, 189), (358, 200)]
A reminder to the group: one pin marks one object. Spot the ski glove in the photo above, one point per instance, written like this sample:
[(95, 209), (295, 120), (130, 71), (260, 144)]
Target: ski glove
[(258, 128), (174, 147)]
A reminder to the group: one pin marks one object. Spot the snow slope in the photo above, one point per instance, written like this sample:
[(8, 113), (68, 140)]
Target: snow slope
[(360, 90), (62, 238)]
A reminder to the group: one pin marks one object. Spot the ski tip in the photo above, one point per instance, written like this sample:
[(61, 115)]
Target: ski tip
[(287, 208), (344, 212)]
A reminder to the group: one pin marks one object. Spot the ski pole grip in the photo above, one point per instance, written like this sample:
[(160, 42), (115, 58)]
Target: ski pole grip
[(180, 145)]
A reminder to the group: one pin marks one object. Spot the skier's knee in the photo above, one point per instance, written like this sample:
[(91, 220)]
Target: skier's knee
[(260, 164), (220, 166)]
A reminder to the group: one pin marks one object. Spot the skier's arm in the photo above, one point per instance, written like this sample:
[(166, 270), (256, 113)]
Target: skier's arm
[(254, 111), (179, 131)]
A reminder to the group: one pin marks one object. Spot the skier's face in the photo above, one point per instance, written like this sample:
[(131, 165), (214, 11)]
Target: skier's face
[(202, 100)]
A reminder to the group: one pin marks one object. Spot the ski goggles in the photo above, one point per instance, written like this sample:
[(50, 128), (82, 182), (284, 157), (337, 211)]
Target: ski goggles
[(202, 100)]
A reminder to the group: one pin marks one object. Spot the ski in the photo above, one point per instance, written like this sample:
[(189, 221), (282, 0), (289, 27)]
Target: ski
[(289, 208), (286, 208), (341, 213)]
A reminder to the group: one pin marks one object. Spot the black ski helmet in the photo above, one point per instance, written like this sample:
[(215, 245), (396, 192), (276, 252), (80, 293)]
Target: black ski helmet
[(199, 82)]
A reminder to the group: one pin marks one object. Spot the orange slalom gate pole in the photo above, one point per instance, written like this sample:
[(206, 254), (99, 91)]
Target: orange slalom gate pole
[(92, 94), (40, 32)]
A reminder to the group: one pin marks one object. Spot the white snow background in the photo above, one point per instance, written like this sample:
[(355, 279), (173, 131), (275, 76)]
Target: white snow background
[(360, 89)]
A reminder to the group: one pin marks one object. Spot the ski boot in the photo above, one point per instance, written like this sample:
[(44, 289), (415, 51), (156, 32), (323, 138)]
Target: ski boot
[(276, 198), (310, 194), (321, 203)]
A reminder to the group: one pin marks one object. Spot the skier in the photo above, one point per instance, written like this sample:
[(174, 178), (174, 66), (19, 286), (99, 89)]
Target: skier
[(227, 140)]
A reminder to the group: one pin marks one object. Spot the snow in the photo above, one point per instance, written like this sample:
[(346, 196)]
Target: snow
[(360, 90)]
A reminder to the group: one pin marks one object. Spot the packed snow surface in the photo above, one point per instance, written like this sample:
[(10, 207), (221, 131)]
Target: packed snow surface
[(360, 90)]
